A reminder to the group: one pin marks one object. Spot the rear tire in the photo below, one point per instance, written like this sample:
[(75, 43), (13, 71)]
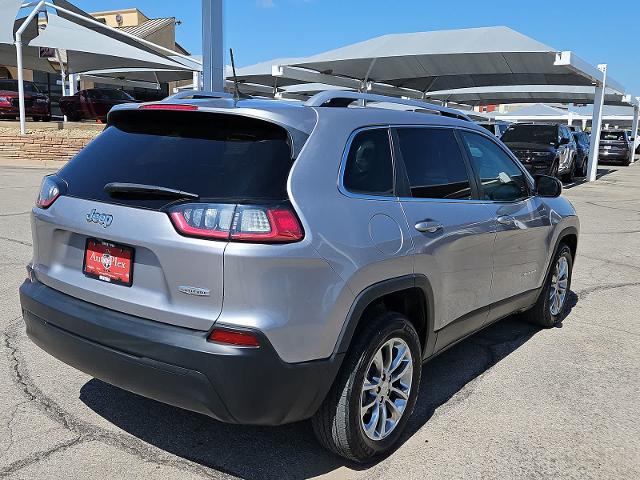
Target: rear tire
[(364, 398), (550, 309), (569, 177), (585, 165)]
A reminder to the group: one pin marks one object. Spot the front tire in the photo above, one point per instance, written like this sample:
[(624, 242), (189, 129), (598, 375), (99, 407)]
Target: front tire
[(550, 309), (368, 406)]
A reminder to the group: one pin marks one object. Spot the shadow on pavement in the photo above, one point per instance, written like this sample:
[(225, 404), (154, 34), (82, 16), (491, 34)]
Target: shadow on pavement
[(291, 451)]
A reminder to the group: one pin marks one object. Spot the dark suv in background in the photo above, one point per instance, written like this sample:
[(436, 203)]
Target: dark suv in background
[(497, 127), (615, 146), (583, 144), (93, 103), (543, 148)]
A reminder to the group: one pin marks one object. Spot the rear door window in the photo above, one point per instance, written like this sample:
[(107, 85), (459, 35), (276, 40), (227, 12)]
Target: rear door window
[(434, 164), (369, 167), (228, 158)]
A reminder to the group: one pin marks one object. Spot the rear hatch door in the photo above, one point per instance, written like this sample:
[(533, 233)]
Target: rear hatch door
[(174, 279)]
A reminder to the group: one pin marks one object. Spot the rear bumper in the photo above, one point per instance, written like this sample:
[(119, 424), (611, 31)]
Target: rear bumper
[(175, 365), (615, 155)]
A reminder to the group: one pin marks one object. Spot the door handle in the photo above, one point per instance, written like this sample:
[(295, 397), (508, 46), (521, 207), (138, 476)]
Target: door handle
[(506, 220), (428, 226)]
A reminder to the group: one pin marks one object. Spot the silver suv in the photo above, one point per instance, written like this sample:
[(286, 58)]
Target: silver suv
[(264, 262)]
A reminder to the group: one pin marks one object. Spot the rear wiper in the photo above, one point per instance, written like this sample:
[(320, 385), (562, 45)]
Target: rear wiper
[(147, 190)]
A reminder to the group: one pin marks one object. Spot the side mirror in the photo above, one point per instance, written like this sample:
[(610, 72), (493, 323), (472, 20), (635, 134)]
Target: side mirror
[(547, 186)]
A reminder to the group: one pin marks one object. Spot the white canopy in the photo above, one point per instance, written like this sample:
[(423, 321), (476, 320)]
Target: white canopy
[(30, 55), (90, 50), (451, 59), (527, 94), (9, 9)]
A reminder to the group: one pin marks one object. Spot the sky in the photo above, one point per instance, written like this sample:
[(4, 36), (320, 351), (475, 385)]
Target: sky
[(259, 30)]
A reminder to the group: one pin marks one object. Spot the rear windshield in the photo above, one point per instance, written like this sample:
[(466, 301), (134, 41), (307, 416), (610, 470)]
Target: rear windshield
[(531, 133), (619, 136), (216, 156)]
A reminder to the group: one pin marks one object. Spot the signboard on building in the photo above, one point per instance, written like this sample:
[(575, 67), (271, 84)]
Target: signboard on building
[(46, 52)]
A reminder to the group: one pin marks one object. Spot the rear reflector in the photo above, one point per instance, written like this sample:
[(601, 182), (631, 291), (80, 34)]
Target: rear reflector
[(243, 223), (234, 337), (167, 106)]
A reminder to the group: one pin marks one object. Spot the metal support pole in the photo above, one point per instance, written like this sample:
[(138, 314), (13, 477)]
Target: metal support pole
[(23, 126), (212, 45), (18, 43), (596, 125), (63, 77), (72, 84), (634, 129), (196, 80)]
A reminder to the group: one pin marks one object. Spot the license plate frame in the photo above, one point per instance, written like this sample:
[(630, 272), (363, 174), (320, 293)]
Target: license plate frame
[(95, 268), (607, 147)]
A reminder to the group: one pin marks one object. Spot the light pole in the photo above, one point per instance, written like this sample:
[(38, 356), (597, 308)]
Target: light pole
[(212, 45)]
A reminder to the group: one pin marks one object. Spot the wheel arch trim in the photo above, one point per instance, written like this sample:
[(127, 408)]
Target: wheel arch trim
[(378, 290)]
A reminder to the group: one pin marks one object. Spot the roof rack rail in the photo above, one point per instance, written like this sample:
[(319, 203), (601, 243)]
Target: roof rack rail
[(198, 95), (332, 98)]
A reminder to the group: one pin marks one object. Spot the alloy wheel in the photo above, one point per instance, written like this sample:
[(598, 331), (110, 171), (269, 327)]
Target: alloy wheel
[(558, 287), (386, 389)]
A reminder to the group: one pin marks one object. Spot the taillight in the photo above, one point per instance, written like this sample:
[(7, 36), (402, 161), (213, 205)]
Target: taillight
[(49, 192), (243, 223), (238, 338)]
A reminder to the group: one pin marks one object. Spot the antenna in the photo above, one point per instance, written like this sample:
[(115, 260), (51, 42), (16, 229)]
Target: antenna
[(236, 90)]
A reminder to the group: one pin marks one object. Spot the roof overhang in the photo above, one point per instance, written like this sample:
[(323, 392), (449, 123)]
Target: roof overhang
[(503, 94)]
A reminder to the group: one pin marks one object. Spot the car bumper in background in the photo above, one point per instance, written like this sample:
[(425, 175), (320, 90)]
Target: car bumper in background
[(174, 365), (613, 155)]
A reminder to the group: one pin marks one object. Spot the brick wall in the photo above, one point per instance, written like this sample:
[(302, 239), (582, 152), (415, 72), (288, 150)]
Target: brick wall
[(40, 147)]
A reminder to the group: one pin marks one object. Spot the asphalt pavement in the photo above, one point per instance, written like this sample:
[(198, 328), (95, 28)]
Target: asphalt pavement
[(512, 401)]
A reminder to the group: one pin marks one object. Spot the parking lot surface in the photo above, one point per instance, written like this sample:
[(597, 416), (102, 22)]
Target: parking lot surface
[(512, 401)]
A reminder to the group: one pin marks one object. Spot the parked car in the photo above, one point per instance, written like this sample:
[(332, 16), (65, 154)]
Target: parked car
[(583, 144), (93, 103), (496, 127), (36, 104), (615, 146), (547, 148), (631, 138), (198, 252)]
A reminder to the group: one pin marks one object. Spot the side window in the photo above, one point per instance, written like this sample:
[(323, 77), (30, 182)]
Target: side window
[(500, 177), (369, 168), (434, 163)]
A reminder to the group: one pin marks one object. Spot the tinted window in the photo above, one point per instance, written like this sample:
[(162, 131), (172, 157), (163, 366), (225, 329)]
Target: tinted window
[(225, 157), (10, 85), (112, 95), (434, 163), (531, 133), (501, 178), (369, 169), (608, 135)]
